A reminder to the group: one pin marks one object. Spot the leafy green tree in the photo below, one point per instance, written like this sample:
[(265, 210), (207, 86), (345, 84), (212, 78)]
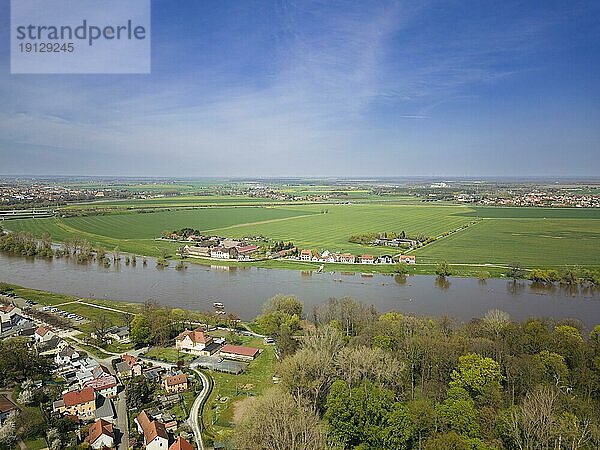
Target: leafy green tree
[(140, 331), (476, 374), (443, 269), (359, 416), (458, 413), (555, 368)]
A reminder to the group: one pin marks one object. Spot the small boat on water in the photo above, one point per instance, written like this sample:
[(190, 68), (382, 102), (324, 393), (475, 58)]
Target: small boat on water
[(218, 305), (366, 274)]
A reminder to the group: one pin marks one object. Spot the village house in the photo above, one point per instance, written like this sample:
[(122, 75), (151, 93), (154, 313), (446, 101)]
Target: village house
[(408, 259), (224, 253), (43, 334), (6, 408), (105, 386), (129, 367), (118, 334), (305, 255), (105, 409), (10, 316), (175, 383), (367, 259), (385, 259), (101, 435), (239, 352), (52, 346), (66, 356), (155, 433), (181, 444), (195, 251), (80, 403), (245, 251), (196, 342), (347, 258)]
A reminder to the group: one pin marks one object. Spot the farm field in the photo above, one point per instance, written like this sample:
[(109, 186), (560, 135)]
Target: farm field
[(183, 201), (533, 236), (533, 242), (136, 233), (331, 230)]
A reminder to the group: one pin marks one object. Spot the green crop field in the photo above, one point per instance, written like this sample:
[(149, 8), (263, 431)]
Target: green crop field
[(533, 242), (136, 233), (331, 230), (532, 236), (184, 201)]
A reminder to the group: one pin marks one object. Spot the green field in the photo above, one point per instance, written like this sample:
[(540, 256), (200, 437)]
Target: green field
[(532, 242), (533, 236), (136, 232), (331, 231)]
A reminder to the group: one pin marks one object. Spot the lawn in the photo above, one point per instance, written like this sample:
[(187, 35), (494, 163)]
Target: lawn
[(169, 354), (229, 389)]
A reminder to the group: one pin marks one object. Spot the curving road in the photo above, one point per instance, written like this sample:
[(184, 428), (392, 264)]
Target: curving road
[(194, 419)]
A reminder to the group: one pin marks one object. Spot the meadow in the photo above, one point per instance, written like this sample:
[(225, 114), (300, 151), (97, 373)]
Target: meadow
[(136, 232), (330, 231), (535, 237)]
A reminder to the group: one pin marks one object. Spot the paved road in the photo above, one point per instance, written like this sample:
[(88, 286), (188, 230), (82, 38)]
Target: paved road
[(194, 419), (122, 421)]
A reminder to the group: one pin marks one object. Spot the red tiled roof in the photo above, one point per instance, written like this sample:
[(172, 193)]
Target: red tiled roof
[(99, 428), (306, 252), (181, 444), (176, 379), (239, 350), (6, 308), (155, 429), (407, 256), (247, 248), (143, 420), (6, 405), (366, 257), (129, 359), (42, 330), (79, 396), (197, 336), (101, 383)]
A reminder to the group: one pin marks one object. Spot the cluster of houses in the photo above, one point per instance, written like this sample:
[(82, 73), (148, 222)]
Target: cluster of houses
[(219, 248), (348, 258), (200, 343), (14, 323)]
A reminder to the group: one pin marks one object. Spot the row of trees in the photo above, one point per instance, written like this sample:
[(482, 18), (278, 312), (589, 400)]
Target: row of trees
[(360, 380)]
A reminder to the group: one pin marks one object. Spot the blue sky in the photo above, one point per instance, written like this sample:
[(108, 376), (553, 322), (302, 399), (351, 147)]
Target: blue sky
[(323, 88)]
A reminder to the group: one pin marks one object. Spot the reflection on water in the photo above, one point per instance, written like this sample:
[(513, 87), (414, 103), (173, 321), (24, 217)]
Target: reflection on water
[(443, 283), (243, 290), (515, 287)]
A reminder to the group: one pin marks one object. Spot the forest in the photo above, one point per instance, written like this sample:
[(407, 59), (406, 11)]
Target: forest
[(351, 378)]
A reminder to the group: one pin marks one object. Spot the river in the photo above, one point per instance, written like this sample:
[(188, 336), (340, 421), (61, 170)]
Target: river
[(244, 290)]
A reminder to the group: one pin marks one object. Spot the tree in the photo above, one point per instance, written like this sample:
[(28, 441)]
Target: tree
[(443, 269), (476, 374), (359, 416), (458, 413), (515, 271), (286, 304), (8, 432), (495, 321), (140, 332), (284, 425), (100, 327), (138, 392), (308, 375)]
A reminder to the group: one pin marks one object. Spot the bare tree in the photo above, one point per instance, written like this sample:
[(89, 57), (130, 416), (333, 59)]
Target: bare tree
[(275, 421)]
